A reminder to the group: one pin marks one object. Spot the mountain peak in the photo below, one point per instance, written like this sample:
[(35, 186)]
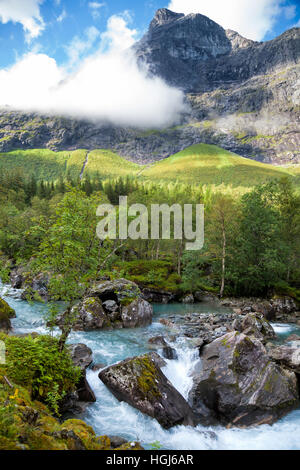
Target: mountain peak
[(164, 16)]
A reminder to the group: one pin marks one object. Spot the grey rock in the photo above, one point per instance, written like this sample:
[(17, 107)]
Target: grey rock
[(288, 357), (140, 382), (239, 385), (137, 314), (82, 355), (188, 299)]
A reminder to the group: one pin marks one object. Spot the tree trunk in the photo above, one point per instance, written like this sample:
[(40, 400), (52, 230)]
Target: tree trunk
[(223, 260)]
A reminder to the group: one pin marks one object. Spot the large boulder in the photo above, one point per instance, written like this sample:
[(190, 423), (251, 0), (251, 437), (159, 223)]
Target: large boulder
[(110, 304), (287, 356), (240, 385), (137, 314), (6, 313), (88, 315), (120, 290), (254, 324), (140, 382)]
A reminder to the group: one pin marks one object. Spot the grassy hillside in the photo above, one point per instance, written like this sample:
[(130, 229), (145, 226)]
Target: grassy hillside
[(208, 164), (108, 164), (43, 164), (199, 164), (48, 165)]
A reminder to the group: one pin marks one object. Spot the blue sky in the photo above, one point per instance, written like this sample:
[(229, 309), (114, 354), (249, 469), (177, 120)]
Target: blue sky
[(60, 24)]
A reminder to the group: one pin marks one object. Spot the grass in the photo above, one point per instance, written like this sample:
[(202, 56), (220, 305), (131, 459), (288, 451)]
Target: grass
[(43, 164), (106, 164), (209, 164), (198, 164)]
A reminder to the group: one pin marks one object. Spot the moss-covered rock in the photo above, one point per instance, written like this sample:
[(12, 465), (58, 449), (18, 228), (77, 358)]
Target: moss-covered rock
[(6, 313), (110, 304), (140, 382)]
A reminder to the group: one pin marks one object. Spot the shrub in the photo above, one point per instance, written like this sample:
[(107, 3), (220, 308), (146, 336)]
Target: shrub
[(36, 363)]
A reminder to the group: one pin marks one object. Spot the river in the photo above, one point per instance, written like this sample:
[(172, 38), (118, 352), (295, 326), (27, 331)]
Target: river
[(108, 416)]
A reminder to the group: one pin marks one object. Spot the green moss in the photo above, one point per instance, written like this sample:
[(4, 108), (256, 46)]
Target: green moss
[(147, 377), (6, 312)]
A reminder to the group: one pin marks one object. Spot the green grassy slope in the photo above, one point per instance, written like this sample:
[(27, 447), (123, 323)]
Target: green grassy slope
[(108, 164), (198, 164), (208, 164), (43, 164)]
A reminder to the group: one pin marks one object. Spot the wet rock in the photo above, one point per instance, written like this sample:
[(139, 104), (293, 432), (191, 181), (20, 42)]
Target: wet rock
[(293, 337), (116, 441), (16, 278), (256, 325), (170, 353), (84, 390), (97, 367), (157, 296), (82, 355), (159, 342), (288, 357), (199, 295), (110, 304), (6, 314), (240, 385), (112, 310), (137, 314), (188, 299), (140, 383)]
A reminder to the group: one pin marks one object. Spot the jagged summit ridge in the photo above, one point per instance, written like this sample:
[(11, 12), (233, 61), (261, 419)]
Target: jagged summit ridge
[(164, 16)]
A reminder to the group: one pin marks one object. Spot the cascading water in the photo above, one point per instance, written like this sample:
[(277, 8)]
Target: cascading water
[(108, 416)]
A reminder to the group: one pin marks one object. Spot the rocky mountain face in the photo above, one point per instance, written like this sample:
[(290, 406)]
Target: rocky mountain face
[(242, 95)]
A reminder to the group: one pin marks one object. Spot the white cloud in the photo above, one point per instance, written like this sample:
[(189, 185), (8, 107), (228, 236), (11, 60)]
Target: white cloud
[(108, 86), (80, 46), (95, 8), (118, 36), (25, 12), (251, 18), (62, 16)]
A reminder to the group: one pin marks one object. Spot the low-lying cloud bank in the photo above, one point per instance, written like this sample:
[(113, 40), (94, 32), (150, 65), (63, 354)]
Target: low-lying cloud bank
[(108, 86)]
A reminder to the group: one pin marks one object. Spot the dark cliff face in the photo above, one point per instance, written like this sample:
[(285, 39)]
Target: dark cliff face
[(197, 55), (176, 45)]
